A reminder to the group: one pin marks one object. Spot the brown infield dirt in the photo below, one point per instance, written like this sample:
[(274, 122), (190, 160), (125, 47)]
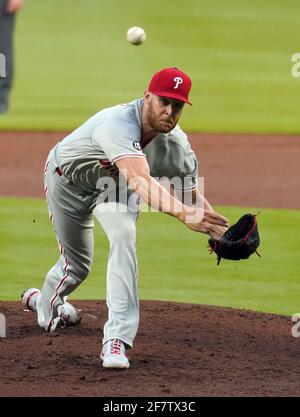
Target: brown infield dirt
[(181, 350)]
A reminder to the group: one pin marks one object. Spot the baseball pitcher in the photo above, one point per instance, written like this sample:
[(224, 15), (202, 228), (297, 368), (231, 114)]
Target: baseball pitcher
[(104, 167)]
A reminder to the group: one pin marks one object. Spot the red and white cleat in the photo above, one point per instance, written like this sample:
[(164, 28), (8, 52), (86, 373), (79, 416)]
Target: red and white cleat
[(67, 313), (29, 297), (113, 355)]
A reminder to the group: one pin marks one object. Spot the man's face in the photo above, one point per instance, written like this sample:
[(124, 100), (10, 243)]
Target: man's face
[(162, 113)]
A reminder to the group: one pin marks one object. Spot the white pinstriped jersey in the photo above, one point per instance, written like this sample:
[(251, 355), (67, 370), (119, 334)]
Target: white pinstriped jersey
[(90, 151)]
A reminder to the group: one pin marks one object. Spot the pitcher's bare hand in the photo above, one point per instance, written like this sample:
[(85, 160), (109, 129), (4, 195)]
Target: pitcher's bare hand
[(211, 223)]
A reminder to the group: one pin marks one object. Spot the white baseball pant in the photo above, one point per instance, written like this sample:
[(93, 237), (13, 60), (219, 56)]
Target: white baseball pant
[(71, 213)]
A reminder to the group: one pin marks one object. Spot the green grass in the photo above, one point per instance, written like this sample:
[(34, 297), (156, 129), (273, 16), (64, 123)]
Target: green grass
[(174, 263), (72, 59)]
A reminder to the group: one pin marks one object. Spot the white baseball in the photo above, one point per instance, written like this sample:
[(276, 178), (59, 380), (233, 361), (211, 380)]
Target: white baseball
[(136, 35)]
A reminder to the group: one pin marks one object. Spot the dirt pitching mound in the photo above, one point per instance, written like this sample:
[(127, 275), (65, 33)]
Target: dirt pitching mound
[(180, 350)]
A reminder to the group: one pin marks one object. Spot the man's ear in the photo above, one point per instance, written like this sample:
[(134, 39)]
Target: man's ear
[(147, 95)]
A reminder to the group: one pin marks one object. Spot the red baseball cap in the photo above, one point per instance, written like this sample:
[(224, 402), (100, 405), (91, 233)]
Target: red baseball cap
[(171, 83)]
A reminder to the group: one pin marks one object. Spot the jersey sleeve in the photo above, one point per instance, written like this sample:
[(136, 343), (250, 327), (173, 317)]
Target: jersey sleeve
[(189, 173), (117, 139)]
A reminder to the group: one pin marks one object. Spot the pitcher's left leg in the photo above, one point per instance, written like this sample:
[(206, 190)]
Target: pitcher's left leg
[(122, 288)]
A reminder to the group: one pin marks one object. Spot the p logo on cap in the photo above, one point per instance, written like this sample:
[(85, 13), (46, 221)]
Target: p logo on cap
[(171, 83), (178, 81)]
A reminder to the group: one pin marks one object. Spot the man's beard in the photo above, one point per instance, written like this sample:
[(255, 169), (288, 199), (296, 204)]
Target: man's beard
[(159, 125)]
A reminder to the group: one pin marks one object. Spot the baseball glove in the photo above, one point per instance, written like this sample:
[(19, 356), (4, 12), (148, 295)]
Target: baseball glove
[(239, 242)]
